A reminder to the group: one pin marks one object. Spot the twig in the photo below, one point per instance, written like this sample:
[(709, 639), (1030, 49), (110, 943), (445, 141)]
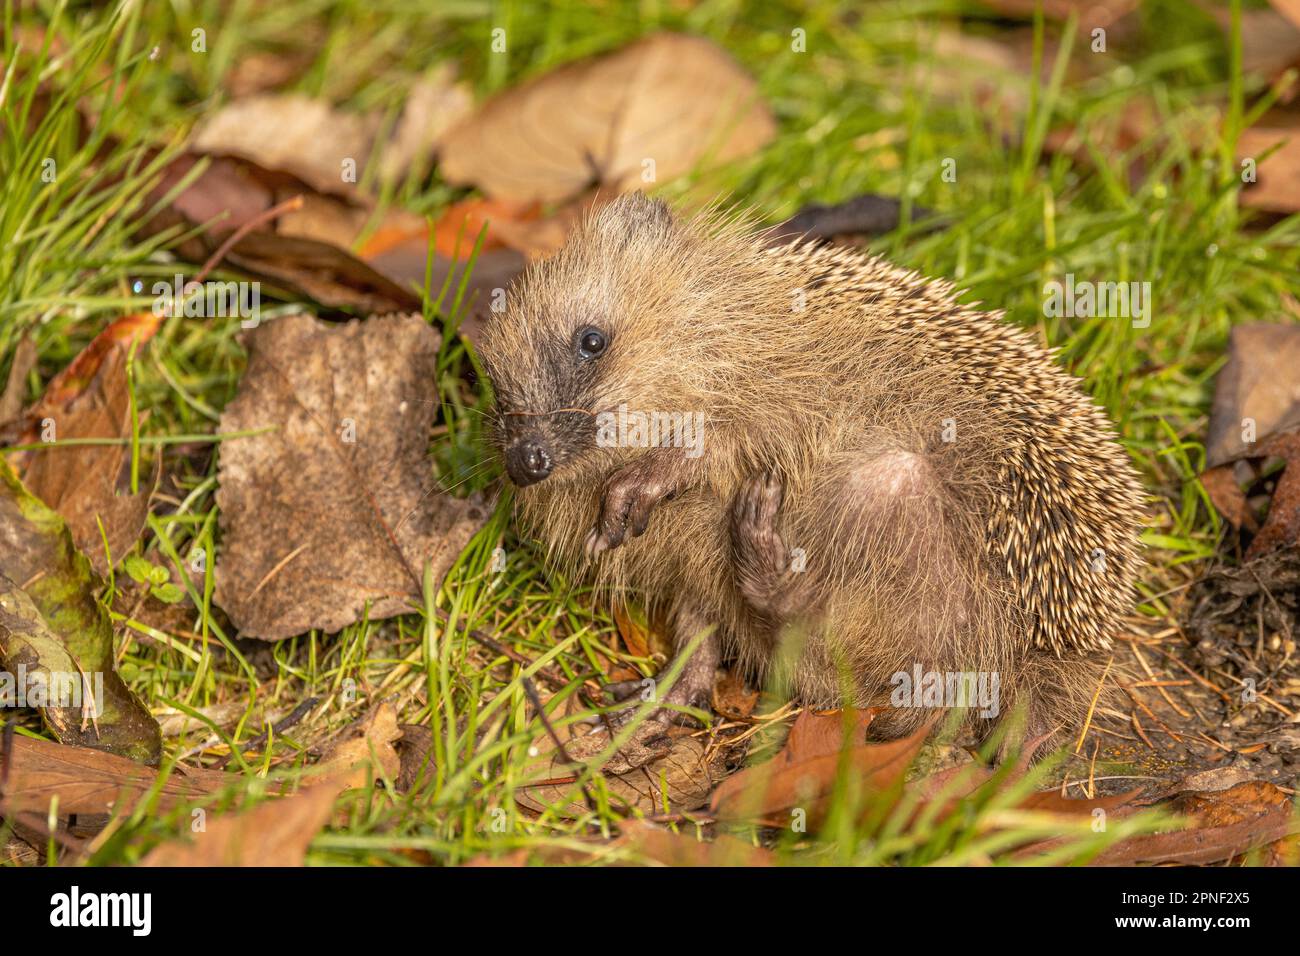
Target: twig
[(292, 204)]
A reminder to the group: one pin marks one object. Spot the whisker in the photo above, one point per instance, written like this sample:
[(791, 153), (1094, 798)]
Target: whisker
[(556, 411)]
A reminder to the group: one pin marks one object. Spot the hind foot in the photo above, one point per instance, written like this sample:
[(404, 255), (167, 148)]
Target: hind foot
[(693, 688), (764, 570)]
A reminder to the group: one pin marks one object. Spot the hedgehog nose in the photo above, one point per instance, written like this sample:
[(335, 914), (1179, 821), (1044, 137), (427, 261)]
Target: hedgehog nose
[(527, 462)]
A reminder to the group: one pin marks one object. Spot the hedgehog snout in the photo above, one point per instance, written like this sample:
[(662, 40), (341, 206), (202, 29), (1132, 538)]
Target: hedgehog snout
[(528, 461)]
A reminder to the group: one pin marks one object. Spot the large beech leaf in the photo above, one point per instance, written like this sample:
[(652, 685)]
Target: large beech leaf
[(667, 103)]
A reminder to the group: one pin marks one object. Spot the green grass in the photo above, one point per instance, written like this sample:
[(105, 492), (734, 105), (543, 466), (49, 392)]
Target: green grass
[(859, 112)]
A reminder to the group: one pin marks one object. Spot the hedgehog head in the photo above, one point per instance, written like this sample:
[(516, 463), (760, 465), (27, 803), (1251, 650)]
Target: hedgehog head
[(618, 322)]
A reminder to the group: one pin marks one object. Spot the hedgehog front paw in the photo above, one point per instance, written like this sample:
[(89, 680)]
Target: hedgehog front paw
[(631, 495)]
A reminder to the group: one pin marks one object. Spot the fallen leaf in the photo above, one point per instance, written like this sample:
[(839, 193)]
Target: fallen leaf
[(82, 482), (680, 780), (770, 792), (73, 380), (1287, 8), (458, 228), (633, 628), (91, 782), (276, 832), (334, 513), (1225, 824), (1256, 415), (434, 105), (329, 147), (662, 846), (645, 843), (279, 831), (312, 139), (733, 698), (264, 70), (1093, 13), (823, 733), (304, 251), (1259, 386), (415, 751), (1276, 187), (51, 621), (367, 752), (1270, 43), (598, 121), (1053, 801)]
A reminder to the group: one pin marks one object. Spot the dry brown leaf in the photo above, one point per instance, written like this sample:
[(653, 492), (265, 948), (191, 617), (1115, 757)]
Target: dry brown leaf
[(355, 761), (90, 782), (646, 843), (1226, 824), (279, 831), (1092, 13), (771, 791), (276, 832), (336, 510), (598, 120), (1052, 801), (293, 132), (264, 70), (415, 751), (1277, 177), (505, 224), (1256, 416), (457, 229), (327, 146), (72, 381), (633, 629), (434, 105), (667, 848), (84, 483), (733, 698), (1290, 9), (678, 781), (304, 251), (822, 733), (1270, 43), (1260, 384)]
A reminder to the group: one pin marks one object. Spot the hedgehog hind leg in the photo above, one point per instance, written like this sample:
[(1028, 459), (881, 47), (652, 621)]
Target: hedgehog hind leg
[(891, 584)]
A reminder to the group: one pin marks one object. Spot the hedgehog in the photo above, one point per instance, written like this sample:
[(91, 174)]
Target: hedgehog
[(819, 465)]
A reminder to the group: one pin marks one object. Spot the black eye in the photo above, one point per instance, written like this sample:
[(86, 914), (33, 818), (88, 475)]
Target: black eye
[(591, 342)]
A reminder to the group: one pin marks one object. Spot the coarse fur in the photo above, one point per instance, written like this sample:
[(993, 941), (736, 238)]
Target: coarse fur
[(943, 494)]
